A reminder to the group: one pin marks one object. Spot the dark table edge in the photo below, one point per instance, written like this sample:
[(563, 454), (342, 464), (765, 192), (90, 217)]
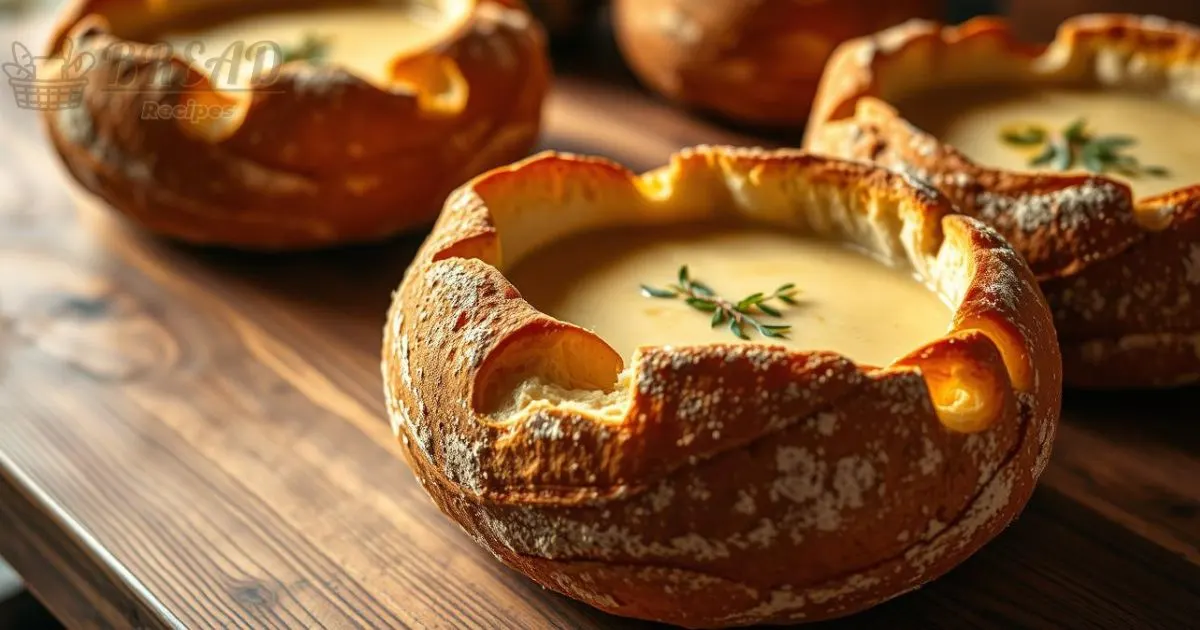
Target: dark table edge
[(64, 568)]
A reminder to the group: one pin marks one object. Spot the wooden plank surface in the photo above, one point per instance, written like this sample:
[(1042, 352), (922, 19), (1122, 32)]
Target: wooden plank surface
[(194, 438)]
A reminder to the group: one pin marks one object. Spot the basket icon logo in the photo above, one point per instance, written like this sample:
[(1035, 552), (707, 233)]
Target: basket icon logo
[(48, 83)]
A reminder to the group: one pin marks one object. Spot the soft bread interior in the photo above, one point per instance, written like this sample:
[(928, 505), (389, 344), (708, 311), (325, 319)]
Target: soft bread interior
[(874, 210), (559, 365), (537, 392), (873, 213), (1067, 61)]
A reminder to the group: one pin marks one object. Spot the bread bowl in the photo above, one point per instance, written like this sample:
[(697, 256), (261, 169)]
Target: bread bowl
[(1117, 252), (753, 62), (727, 483), (380, 110)]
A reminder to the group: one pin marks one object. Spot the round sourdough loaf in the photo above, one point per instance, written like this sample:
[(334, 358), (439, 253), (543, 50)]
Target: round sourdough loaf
[(753, 61), (723, 484)]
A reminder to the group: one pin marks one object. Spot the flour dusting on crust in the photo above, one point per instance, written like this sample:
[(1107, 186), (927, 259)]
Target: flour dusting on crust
[(718, 484)]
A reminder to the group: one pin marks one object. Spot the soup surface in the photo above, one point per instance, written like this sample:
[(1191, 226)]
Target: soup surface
[(846, 301), (364, 38), (974, 119)]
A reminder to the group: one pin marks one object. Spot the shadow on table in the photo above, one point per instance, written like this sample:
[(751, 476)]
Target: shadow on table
[(1166, 417), (23, 612)]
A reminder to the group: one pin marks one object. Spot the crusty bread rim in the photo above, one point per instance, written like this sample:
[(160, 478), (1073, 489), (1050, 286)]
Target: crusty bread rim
[(665, 196), (1112, 50), (892, 216), (423, 82), (1109, 49), (321, 157), (559, 489), (1080, 233)]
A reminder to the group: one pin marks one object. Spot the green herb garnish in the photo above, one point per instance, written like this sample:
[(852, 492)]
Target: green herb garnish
[(311, 48), (738, 315), (1076, 145)]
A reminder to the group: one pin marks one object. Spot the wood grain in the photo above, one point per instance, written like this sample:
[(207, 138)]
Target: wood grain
[(195, 438)]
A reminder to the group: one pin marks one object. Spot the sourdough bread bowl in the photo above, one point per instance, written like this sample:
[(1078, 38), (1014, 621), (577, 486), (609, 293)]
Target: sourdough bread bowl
[(1080, 153), (723, 483), (755, 62), (295, 125)]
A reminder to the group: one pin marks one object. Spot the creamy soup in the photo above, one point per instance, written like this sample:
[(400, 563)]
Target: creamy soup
[(364, 38), (846, 302), (972, 120)]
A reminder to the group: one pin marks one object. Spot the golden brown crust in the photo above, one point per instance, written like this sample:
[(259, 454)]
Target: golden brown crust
[(738, 483), (755, 61), (1122, 276), (320, 158)]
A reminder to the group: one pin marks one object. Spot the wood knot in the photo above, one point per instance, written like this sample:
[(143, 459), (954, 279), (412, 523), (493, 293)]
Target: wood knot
[(82, 307), (82, 319), (253, 593)]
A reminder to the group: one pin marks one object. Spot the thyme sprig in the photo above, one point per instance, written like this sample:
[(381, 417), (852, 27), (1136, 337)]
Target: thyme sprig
[(1077, 144), (738, 315), (311, 47)]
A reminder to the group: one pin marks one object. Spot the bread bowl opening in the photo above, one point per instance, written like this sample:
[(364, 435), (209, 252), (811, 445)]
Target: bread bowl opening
[(1138, 136), (684, 285), (1112, 95), (240, 42), (865, 260)]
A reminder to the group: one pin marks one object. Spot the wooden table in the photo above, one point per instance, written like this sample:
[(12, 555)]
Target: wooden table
[(193, 438)]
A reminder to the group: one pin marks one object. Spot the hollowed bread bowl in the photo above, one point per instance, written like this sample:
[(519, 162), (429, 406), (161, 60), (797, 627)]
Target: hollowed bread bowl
[(1120, 268), (320, 153), (728, 483), (754, 62)]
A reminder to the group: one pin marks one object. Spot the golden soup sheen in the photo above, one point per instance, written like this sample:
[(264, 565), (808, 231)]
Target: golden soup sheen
[(362, 38), (848, 302), (972, 119)]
